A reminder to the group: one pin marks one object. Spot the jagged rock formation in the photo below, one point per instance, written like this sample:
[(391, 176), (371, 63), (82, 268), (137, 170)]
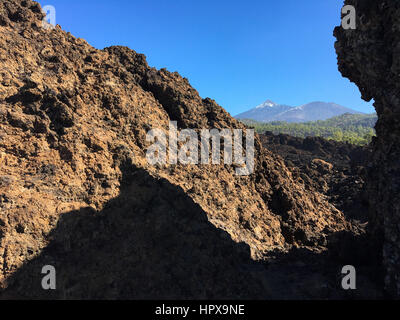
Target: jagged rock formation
[(369, 56), (77, 192)]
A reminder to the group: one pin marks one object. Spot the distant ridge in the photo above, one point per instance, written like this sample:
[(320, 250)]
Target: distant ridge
[(270, 111)]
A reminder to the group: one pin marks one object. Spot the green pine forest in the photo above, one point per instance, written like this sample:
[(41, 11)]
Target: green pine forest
[(356, 129)]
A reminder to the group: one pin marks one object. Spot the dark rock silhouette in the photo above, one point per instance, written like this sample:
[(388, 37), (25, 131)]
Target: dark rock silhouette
[(369, 57)]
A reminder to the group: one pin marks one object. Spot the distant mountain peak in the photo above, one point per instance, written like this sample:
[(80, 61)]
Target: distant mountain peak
[(267, 103), (316, 110)]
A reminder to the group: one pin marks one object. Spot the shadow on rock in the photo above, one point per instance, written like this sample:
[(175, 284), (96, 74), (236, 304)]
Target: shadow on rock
[(152, 242)]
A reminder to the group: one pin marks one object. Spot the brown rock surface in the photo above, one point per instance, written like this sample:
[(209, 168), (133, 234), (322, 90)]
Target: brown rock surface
[(370, 57), (336, 169), (77, 192)]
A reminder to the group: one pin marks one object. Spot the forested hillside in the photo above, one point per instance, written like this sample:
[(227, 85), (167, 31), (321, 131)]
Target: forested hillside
[(353, 128)]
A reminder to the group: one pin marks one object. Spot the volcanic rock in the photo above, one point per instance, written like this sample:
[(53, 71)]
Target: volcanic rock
[(77, 192), (369, 57)]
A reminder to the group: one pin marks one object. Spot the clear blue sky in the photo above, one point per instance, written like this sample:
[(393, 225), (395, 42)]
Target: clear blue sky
[(239, 53)]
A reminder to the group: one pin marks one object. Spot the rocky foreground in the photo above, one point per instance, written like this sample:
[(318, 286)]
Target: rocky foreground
[(77, 192)]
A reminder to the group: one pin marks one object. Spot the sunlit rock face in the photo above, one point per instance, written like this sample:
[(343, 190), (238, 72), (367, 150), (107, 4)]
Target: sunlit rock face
[(76, 190), (370, 57)]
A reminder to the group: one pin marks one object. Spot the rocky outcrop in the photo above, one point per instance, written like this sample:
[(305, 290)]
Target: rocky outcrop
[(77, 192), (369, 56)]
